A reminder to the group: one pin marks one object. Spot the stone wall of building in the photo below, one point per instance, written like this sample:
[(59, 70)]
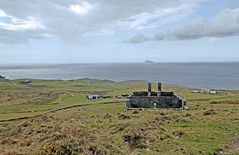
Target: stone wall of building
[(154, 102)]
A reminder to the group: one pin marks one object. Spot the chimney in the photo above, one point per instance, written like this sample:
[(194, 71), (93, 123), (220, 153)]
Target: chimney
[(149, 89), (159, 89)]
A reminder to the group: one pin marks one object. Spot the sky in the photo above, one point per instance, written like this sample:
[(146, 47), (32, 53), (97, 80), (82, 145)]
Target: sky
[(111, 31)]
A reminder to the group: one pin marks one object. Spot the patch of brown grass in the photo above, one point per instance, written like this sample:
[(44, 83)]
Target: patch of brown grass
[(225, 102)]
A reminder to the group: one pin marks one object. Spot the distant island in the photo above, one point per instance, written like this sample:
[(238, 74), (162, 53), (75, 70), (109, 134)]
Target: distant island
[(149, 61)]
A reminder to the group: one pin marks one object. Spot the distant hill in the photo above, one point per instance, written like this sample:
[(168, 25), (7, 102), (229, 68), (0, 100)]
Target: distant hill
[(148, 61), (134, 82), (2, 78)]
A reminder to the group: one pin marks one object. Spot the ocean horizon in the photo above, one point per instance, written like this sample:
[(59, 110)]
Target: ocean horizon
[(212, 75)]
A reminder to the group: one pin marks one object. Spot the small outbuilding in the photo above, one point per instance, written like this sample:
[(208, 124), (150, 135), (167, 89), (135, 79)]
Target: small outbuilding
[(94, 97), (212, 91), (208, 91), (25, 81)]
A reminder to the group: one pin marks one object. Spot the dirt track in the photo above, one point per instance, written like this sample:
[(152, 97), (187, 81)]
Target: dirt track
[(55, 110)]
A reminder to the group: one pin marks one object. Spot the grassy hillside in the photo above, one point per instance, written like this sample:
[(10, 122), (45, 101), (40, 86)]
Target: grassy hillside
[(54, 117)]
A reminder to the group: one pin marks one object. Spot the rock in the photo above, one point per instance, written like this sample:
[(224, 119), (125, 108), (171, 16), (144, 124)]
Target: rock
[(135, 112), (209, 112), (123, 116), (24, 124)]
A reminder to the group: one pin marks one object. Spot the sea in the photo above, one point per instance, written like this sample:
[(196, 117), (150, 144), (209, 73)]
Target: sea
[(195, 75)]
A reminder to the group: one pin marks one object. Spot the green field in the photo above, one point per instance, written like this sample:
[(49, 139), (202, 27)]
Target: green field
[(54, 117)]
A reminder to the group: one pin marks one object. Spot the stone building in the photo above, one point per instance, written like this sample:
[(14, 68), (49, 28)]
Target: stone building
[(159, 99)]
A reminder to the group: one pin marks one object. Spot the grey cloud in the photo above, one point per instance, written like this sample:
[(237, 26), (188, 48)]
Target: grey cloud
[(12, 37), (225, 24), (138, 39), (61, 22)]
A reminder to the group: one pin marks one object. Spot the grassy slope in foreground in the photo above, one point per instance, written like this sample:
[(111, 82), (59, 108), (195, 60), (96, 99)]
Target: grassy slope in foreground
[(210, 124)]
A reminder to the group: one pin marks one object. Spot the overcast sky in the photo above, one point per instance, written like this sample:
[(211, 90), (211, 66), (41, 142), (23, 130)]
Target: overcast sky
[(83, 31)]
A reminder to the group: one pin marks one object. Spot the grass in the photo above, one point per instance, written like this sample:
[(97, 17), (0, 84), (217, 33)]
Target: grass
[(100, 128)]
